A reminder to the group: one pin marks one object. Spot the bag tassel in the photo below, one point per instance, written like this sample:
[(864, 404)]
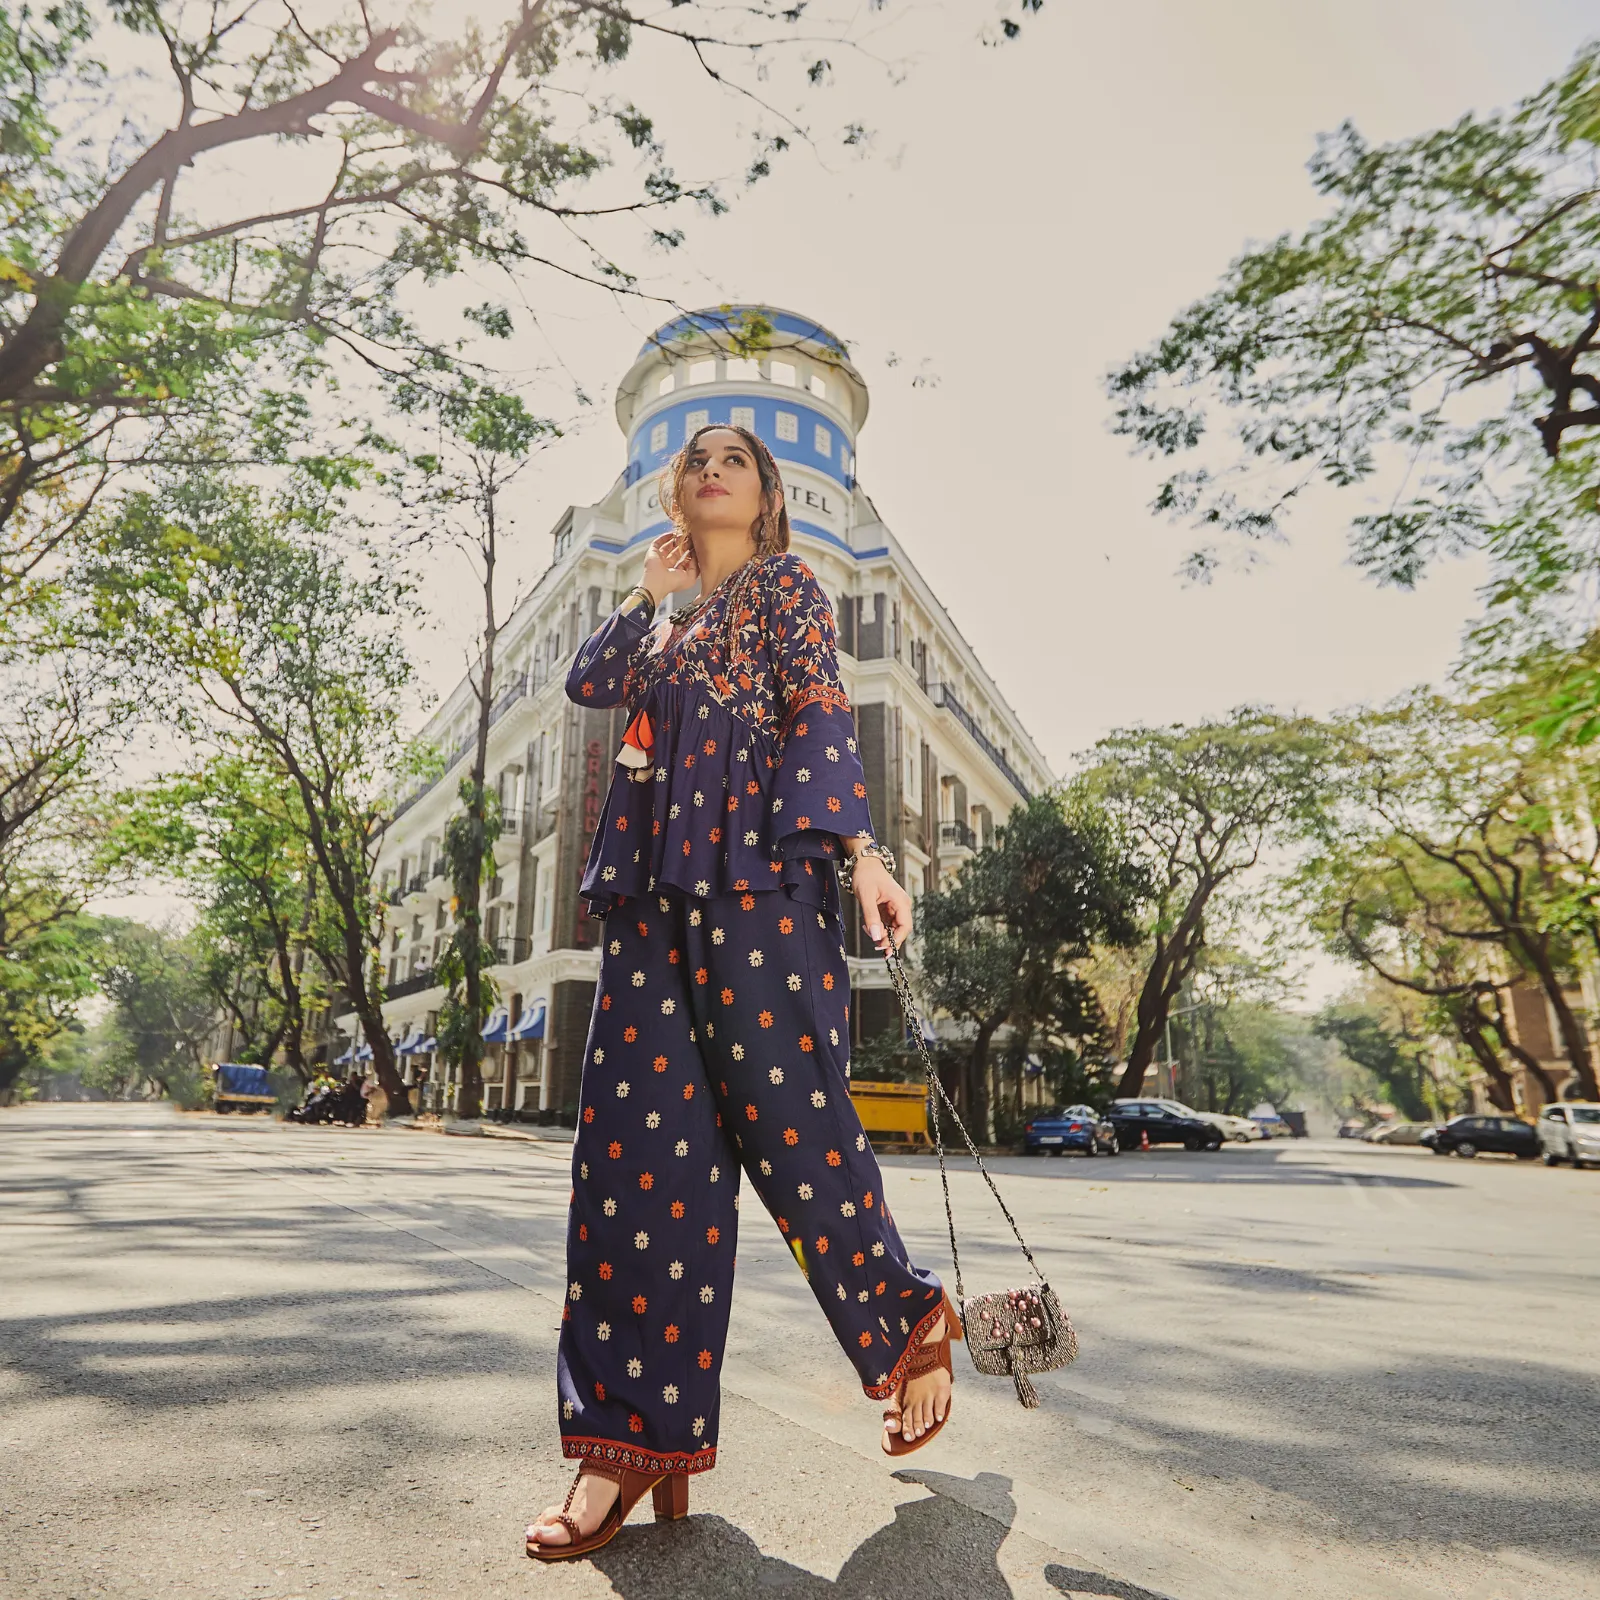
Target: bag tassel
[(1026, 1392)]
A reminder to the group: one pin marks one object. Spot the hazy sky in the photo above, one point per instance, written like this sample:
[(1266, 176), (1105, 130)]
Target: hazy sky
[(1029, 216)]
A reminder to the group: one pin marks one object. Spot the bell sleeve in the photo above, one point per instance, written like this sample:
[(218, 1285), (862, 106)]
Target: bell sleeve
[(599, 673), (820, 793)]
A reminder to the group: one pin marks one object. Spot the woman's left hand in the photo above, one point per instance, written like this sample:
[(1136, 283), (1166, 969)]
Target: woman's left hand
[(885, 906)]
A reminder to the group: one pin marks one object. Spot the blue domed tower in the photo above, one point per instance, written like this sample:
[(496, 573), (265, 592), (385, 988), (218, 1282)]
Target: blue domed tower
[(783, 376)]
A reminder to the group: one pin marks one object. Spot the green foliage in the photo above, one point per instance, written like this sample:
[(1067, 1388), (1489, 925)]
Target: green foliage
[(1002, 943), (1435, 329), (1398, 1065), (162, 1011), (259, 638), (1197, 807), (46, 970), (235, 841)]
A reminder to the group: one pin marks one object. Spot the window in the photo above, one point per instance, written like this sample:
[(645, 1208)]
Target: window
[(694, 419), (823, 439), (742, 367), (544, 911), (1584, 1113), (702, 372), (743, 417), (788, 427), (782, 372), (658, 438), (818, 387), (665, 386)]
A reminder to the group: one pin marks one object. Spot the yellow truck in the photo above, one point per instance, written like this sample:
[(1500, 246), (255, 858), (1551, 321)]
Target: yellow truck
[(893, 1112)]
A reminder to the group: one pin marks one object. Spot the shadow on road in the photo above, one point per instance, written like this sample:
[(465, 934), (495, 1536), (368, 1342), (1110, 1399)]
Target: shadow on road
[(1078, 1580), (946, 1544)]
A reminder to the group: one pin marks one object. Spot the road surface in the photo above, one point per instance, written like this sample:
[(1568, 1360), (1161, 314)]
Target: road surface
[(252, 1361)]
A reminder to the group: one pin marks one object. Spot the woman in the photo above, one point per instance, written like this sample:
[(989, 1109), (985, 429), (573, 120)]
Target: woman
[(720, 1033)]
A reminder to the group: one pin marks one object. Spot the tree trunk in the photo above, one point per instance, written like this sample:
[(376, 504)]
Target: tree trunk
[(470, 878), (1573, 1041), (971, 1101), (1525, 1058), (1172, 963), (1469, 1023)]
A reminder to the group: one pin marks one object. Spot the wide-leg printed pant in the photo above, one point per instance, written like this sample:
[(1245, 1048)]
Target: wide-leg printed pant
[(719, 1040)]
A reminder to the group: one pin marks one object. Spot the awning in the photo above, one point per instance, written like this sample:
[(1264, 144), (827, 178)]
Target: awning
[(348, 1056), (411, 1045), (364, 1053), (530, 1025), (427, 1046), (494, 1030)]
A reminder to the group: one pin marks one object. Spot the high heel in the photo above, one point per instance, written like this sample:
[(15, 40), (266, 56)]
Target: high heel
[(671, 1497), (929, 1357), (669, 1490)]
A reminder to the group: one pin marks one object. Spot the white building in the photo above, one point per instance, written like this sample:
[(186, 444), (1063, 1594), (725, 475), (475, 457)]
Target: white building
[(945, 756)]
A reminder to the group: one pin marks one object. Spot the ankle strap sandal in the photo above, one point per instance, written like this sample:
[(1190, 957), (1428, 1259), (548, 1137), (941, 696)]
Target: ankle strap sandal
[(670, 1491)]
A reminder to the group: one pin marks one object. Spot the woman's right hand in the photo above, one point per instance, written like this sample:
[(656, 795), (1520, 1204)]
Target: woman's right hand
[(670, 566)]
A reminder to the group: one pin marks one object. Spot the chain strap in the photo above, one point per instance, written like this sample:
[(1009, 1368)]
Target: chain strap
[(908, 1007)]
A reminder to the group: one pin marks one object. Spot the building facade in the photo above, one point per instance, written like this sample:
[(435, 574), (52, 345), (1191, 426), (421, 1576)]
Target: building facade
[(946, 758)]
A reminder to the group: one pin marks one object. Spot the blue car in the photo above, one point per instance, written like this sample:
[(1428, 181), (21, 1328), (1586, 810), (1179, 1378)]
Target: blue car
[(1054, 1129)]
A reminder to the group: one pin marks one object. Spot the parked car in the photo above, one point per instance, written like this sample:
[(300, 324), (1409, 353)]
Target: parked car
[(1058, 1128), (1467, 1136), (1570, 1131), (1355, 1128), (1398, 1132), (1240, 1129), (1137, 1121)]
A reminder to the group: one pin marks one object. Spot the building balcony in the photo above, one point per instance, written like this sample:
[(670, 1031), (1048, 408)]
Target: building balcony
[(509, 845), (943, 695), (422, 979), (509, 951), (956, 838)]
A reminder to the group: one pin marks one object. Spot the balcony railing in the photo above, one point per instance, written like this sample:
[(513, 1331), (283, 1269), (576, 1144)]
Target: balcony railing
[(514, 691), (415, 984), (943, 695), (957, 835), (508, 951)]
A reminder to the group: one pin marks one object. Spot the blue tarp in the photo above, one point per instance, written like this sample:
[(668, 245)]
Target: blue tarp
[(530, 1025), (234, 1077)]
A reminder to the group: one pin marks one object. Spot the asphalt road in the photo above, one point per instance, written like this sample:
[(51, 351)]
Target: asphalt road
[(246, 1360)]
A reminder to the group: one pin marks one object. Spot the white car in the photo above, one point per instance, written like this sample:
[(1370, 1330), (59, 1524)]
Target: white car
[(1240, 1129), (1570, 1131)]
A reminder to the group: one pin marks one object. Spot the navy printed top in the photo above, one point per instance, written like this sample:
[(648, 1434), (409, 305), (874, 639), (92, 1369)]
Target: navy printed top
[(740, 767)]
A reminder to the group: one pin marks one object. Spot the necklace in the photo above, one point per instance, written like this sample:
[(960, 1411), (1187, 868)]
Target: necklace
[(682, 621)]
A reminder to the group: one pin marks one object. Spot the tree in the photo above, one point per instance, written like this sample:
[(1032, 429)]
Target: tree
[(479, 439), (138, 291), (162, 1010), (262, 642), (1452, 842), (1003, 943), (1440, 326), (1198, 806), (236, 841)]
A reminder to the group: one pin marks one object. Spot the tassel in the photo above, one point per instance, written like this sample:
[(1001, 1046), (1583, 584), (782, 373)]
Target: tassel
[(1026, 1393)]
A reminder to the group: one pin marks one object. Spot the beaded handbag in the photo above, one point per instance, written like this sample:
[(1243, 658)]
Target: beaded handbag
[(1015, 1331)]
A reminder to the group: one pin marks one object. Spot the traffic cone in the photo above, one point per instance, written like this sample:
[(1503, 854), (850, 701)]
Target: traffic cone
[(1144, 1138)]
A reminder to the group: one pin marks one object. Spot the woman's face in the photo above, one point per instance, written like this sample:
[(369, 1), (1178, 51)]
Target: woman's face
[(721, 488)]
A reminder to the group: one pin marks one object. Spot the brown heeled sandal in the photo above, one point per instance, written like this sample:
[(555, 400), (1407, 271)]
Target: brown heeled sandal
[(671, 1495), (929, 1357)]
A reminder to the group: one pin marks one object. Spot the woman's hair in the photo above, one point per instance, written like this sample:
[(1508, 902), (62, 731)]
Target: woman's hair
[(771, 528)]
